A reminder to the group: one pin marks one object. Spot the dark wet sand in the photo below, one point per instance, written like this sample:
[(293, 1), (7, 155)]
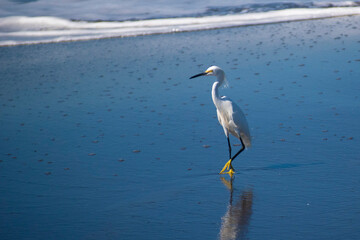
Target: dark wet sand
[(109, 139)]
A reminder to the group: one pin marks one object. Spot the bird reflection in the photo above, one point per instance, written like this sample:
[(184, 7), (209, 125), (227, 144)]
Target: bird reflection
[(235, 222)]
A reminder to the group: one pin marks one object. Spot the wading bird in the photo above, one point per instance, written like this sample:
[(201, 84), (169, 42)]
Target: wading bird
[(230, 116)]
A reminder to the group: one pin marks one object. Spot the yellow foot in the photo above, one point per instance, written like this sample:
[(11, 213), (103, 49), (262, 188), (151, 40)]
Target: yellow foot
[(231, 172), (228, 167)]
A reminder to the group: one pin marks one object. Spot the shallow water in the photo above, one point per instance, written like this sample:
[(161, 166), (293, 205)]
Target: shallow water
[(110, 139)]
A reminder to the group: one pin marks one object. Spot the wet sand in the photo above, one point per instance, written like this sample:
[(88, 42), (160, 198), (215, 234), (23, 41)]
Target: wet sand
[(110, 139)]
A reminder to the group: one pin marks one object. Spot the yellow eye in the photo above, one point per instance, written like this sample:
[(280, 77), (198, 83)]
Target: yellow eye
[(209, 71)]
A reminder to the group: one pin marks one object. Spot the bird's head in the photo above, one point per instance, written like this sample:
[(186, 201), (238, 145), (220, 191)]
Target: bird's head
[(213, 71)]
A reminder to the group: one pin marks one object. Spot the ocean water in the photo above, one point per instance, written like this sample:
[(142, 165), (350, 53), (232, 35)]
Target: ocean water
[(112, 10), (43, 21), (109, 139)]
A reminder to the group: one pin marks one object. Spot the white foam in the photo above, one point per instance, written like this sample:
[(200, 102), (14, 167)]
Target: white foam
[(31, 30)]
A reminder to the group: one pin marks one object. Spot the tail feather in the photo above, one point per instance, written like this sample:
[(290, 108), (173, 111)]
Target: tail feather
[(246, 140)]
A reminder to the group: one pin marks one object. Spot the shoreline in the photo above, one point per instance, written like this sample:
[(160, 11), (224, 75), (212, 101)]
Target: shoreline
[(170, 26)]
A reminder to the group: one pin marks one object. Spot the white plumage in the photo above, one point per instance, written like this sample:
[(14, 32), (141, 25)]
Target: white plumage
[(233, 120), (229, 114)]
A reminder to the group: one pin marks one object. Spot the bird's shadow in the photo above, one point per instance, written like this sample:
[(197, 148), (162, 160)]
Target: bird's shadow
[(279, 166)]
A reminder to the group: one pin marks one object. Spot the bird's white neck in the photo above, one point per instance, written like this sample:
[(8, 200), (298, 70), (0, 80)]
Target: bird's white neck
[(215, 88), (215, 93)]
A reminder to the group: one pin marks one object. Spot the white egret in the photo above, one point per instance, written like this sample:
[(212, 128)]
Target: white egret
[(230, 116)]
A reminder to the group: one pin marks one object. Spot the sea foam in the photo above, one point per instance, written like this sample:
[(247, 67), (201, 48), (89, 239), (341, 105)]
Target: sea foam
[(31, 30)]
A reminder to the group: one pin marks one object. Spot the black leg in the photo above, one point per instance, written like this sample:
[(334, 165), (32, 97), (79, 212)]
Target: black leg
[(242, 149), (229, 147)]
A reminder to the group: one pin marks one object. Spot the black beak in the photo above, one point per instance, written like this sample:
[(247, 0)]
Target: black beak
[(198, 75)]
